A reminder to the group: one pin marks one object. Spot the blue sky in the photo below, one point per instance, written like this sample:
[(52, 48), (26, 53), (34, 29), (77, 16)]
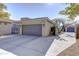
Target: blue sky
[(34, 10)]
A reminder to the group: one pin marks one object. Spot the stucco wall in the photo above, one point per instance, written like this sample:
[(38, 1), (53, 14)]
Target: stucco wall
[(28, 22), (46, 28), (5, 29)]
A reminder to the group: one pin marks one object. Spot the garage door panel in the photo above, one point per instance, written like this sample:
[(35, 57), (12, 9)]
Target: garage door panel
[(32, 30)]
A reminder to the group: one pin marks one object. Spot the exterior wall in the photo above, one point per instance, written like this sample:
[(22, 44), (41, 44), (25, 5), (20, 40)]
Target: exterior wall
[(5, 28), (28, 22), (46, 28), (20, 30)]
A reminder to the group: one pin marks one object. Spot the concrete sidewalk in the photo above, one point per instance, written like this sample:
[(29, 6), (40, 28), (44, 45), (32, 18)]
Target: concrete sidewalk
[(59, 45), (6, 53)]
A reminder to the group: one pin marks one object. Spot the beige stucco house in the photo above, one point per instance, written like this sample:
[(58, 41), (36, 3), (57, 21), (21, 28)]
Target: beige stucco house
[(5, 26), (36, 26)]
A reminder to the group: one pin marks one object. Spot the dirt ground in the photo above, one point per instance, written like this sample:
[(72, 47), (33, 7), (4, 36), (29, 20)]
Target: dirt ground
[(71, 51)]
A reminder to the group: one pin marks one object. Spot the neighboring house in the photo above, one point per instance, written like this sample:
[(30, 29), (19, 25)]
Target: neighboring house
[(37, 26), (5, 26), (70, 28)]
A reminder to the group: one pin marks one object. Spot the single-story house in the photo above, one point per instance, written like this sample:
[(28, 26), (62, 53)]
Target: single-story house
[(36, 26), (5, 26)]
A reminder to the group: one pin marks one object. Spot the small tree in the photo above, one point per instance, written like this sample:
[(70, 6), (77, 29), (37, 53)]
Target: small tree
[(58, 28), (71, 11), (58, 22)]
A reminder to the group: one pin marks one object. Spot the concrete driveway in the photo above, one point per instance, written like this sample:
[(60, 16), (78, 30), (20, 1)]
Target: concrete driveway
[(26, 45)]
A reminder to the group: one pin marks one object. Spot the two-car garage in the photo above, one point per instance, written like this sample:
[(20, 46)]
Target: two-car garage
[(34, 29), (35, 26)]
